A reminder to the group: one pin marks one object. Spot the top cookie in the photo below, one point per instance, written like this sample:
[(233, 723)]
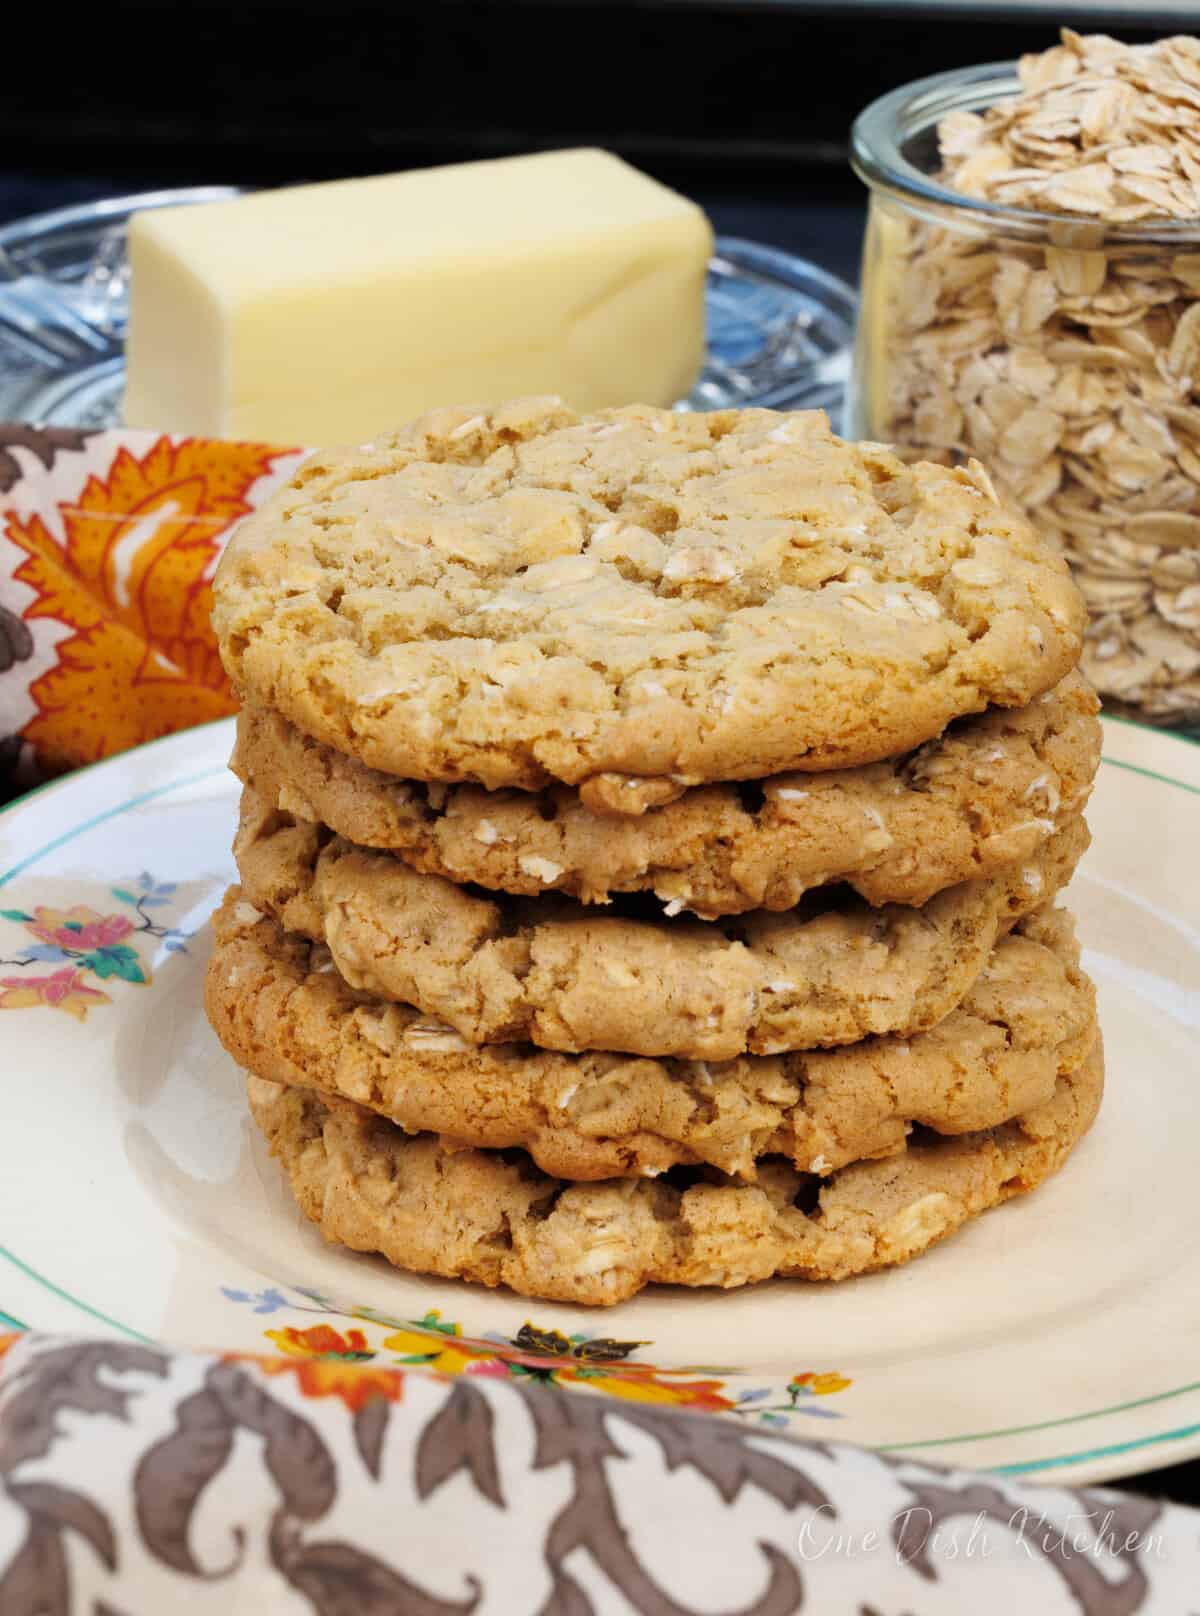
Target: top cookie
[(520, 596)]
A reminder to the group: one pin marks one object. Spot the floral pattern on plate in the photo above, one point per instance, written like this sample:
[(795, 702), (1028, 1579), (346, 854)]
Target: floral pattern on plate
[(324, 1351), (82, 942)]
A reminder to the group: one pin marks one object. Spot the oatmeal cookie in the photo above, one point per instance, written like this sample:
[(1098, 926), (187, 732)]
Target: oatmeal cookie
[(520, 595), (431, 1207), (285, 1016), (985, 794), (548, 970)]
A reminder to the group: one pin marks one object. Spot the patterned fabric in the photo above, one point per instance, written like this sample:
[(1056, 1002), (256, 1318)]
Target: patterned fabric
[(138, 1480), (108, 541)]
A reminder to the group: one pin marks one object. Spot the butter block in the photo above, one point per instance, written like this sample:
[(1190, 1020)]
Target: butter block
[(327, 313)]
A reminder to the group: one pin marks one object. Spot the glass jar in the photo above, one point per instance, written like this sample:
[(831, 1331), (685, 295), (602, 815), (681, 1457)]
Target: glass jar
[(1062, 352)]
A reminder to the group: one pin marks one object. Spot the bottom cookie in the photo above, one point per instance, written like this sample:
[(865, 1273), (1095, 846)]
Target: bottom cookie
[(493, 1217)]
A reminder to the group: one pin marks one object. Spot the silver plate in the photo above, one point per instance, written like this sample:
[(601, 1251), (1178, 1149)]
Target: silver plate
[(779, 329)]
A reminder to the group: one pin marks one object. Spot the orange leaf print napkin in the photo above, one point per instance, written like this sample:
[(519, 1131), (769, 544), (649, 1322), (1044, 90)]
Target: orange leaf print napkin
[(108, 543)]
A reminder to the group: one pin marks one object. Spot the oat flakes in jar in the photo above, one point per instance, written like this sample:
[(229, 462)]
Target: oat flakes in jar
[(1031, 297)]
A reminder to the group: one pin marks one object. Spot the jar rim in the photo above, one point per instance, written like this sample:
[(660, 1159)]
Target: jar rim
[(882, 129)]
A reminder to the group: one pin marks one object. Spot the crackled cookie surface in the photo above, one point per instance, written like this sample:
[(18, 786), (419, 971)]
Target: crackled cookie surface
[(283, 1015), (549, 970), (518, 596), (435, 1208), (985, 794)]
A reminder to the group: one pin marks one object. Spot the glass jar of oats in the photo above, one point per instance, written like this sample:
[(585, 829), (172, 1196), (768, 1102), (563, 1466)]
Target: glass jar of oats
[(1031, 298)]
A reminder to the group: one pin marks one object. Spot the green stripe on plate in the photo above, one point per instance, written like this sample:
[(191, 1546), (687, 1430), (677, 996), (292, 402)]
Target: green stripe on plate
[(109, 813), (57, 1290), (11, 1322), (1150, 774), (1043, 1425), (1029, 1466), (1186, 736), (66, 782)]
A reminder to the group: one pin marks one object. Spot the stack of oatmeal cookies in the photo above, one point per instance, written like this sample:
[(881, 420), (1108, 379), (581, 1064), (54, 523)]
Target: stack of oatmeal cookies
[(649, 848)]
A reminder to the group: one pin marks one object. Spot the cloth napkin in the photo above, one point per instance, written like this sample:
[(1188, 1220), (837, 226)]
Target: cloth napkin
[(108, 543), (139, 1479)]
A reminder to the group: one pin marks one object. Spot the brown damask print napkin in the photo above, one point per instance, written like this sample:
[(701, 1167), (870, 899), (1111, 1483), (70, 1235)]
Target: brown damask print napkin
[(136, 1481)]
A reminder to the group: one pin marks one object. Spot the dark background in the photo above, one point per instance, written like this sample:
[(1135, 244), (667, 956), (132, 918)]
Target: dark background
[(743, 104)]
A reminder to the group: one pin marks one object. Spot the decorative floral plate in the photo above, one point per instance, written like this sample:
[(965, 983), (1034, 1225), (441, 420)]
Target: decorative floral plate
[(780, 329), (1056, 1335)]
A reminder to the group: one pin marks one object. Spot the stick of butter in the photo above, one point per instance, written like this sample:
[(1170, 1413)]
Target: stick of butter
[(326, 313)]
